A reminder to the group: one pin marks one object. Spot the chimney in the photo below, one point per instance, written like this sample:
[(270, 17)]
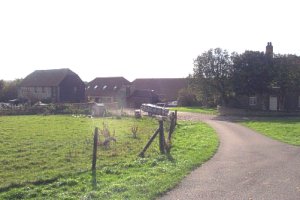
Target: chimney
[(269, 49)]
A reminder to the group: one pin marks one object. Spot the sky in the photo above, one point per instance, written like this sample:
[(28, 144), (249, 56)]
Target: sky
[(137, 38)]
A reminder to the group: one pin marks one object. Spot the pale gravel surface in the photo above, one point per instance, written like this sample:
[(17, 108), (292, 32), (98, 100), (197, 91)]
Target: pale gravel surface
[(247, 165)]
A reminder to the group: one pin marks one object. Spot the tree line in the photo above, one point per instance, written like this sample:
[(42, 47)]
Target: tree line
[(9, 90), (219, 77)]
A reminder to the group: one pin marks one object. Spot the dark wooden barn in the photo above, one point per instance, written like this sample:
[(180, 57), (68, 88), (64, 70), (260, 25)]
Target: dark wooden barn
[(55, 85)]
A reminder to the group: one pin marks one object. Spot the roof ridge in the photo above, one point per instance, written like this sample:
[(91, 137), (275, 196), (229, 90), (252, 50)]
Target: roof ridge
[(106, 77)]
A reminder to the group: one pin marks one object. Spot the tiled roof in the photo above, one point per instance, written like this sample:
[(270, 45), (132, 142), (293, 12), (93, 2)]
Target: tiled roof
[(166, 88), (44, 78), (103, 86)]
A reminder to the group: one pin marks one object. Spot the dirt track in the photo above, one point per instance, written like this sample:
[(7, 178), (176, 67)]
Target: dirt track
[(247, 165)]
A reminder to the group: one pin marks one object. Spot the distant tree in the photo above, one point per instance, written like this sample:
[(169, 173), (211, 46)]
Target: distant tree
[(1, 85), (212, 76), (1, 88), (9, 90)]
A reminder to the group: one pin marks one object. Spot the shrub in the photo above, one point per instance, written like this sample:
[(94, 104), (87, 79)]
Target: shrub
[(187, 97)]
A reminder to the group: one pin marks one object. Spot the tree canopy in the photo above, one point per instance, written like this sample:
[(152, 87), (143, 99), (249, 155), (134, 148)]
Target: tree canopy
[(251, 72), (212, 74), (9, 90), (219, 76)]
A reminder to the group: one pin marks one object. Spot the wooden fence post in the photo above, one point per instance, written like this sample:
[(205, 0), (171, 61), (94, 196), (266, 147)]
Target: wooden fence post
[(172, 127), (95, 149), (175, 117), (161, 137), (148, 143)]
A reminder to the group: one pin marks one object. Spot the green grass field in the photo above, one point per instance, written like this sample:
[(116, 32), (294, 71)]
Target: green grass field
[(283, 129), (49, 157), (196, 109)]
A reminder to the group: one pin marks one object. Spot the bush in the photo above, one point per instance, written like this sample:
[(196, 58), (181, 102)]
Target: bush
[(187, 97)]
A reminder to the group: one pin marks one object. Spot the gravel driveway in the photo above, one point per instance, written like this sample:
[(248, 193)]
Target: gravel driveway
[(247, 165)]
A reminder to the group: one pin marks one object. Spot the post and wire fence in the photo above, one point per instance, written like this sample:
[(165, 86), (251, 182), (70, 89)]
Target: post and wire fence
[(165, 142)]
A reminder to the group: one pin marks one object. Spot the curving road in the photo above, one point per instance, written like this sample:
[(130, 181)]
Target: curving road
[(247, 165)]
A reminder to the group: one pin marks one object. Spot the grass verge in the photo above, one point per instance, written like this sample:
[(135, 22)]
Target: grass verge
[(196, 109), (283, 129), (51, 169)]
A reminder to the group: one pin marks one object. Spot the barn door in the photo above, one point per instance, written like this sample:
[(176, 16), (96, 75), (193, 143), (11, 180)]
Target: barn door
[(273, 103)]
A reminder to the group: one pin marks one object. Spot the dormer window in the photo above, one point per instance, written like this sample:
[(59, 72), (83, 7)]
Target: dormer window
[(96, 86), (104, 87)]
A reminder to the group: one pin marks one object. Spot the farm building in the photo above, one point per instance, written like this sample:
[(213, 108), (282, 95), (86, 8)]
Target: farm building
[(139, 97), (55, 85), (273, 101), (276, 98), (108, 90), (166, 88)]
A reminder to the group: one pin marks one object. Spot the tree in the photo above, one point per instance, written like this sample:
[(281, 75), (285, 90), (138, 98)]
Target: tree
[(186, 97), (1, 85), (252, 72), (212, 76), (286, 76), (9, 90)]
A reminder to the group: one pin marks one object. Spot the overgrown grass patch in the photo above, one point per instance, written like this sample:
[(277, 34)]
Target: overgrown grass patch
[(283, 129), (52, 170), (197, 109)]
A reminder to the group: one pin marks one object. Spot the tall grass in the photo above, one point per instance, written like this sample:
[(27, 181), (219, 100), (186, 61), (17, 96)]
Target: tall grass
[(49, 157), (39, 148)]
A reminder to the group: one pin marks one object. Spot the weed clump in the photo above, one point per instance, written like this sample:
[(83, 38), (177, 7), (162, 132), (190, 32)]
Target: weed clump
[(108, 137)]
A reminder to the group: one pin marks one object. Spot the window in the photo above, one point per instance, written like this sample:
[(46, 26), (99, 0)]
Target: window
[(96, 86), (252, 101), (104, 87)]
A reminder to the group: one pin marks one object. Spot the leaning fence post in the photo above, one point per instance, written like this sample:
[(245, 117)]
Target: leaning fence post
[(95, 149), (175, 117), (148, 143), (161, 137)]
